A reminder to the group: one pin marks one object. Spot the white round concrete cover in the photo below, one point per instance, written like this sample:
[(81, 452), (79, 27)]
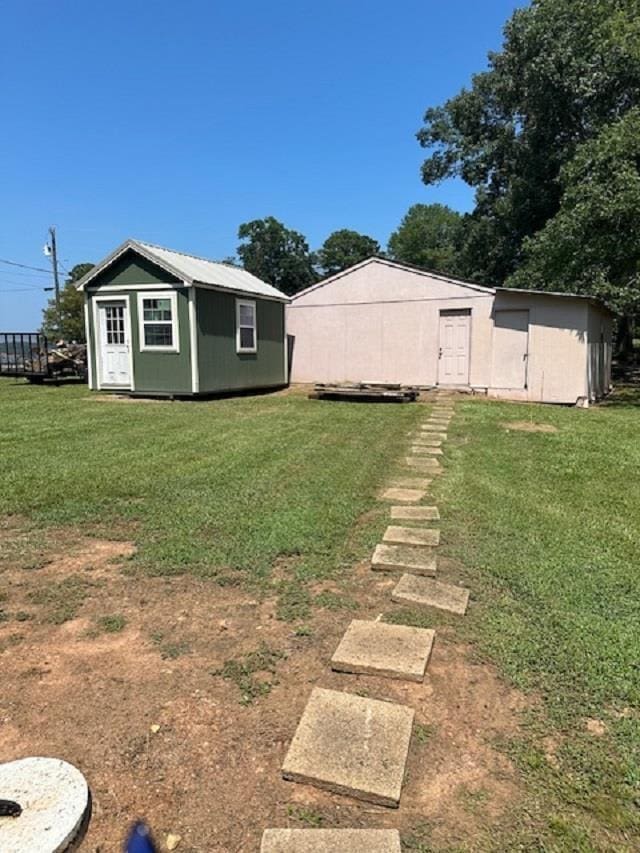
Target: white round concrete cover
[(54, 797)]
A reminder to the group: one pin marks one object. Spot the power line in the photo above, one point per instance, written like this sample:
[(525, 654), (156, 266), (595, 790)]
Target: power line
[(23, 284), (24, 266), (23, 289)]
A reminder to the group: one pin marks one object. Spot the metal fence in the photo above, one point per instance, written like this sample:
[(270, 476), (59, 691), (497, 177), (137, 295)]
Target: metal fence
[(23, 354)]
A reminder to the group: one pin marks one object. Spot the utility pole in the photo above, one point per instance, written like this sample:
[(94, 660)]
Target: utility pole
[(56, 281)]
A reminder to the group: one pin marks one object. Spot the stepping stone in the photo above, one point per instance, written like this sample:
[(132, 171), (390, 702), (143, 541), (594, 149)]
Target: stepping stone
[(423, 450), (433, 426), (351, 745), (410, 483), (330, 841), (436, 436), (412, 536), (415, 513), (427, 464), (411, 496), (389, 558), (431, 593), (392, 651), (425, 440)]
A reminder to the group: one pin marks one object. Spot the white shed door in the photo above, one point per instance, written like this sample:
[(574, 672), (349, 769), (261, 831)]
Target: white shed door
[(114, 344), (510, 349), (453, 365)]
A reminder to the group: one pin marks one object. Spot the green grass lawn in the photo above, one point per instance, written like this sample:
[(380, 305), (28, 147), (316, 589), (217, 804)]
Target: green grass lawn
[(223, 489), (547, 527), (280, 490)]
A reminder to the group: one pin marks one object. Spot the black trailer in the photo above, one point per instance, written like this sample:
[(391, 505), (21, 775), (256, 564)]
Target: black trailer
[(28, 355)]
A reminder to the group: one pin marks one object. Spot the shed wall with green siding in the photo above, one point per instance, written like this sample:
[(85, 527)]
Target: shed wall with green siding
[(220, 366)]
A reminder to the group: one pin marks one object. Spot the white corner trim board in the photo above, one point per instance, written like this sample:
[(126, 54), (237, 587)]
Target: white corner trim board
[(193, 339)]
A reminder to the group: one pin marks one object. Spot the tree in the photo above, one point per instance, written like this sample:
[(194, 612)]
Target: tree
[(276, 254), (71, 325), (344, 249), (592, 244), (567, 69), (429, 236)]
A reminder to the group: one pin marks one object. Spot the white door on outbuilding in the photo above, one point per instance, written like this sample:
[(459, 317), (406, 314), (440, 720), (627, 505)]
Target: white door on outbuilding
[(455, 336), (510, 349), (114, 343)]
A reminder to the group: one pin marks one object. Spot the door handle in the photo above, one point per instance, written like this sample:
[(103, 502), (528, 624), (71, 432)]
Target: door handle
[(440, 353)]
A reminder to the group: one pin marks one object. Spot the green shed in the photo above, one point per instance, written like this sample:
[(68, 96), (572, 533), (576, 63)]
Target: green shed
[(165, 323)]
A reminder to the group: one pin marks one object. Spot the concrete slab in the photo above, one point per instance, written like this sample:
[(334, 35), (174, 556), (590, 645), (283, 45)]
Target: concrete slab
[(425, 440), (55, 804), (410, 483), (390, 558), (351, 745), (412, 536), (429, 426), (427, 464), (391, 651), (431, 593), (425, 450), (435, 434), (330, 841), (403, 495), (415, 513)]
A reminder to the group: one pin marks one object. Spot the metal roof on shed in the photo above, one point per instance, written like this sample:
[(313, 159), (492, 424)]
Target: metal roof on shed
[(192, 269)]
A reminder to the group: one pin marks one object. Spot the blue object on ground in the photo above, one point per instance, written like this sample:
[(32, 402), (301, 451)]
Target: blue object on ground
[(140, 840)]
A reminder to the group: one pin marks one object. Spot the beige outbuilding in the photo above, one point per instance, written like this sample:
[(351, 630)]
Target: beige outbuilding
[(381, 321)]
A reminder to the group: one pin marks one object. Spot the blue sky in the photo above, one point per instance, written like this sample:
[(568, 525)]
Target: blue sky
[(175, 121)]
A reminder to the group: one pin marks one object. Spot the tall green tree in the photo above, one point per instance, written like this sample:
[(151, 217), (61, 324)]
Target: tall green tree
[(343, 249), (567, 69), (429, 236), (71, 321), (592, 244), (276, 254)]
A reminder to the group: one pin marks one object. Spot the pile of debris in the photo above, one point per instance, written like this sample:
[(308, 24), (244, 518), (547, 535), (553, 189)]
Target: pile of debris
[(67, 354), (366, 392)]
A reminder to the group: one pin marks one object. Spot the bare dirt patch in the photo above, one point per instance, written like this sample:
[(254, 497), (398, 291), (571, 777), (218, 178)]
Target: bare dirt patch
[(528, 426), (184, 713)]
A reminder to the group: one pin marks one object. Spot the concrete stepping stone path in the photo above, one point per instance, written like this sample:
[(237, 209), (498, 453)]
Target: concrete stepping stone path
[(425, 536), (429, 426), (415, 513), (403, 495), (422, 450), (330, 841), (351, 745), (392, 651), (390, 558), (431, 593)]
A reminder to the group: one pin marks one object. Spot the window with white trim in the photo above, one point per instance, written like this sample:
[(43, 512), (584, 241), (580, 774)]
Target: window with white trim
[(246, 328), (158, 321)]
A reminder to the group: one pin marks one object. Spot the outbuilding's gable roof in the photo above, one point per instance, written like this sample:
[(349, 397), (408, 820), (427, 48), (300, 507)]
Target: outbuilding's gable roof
[(398, 266), (450, 280), (191, 269)]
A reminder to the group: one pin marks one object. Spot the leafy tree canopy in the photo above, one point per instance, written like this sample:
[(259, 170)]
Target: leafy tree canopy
[(276, 254), (71, 326), (592, 245), (428, 236), (567, 69), (343, 249)]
